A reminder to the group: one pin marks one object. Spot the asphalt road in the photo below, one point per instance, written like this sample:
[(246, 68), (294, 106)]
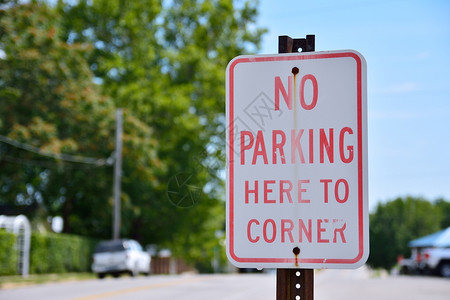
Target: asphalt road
[(362, 284), (329, 284)]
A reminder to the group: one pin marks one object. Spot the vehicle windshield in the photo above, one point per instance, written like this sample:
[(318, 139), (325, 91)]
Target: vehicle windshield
[(111, 246)]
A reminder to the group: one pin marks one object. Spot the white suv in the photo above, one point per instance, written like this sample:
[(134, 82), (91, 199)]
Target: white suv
[(436, 260), (120, 256)]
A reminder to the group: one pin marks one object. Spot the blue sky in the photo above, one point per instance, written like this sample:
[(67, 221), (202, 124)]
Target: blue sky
[(407, 48)]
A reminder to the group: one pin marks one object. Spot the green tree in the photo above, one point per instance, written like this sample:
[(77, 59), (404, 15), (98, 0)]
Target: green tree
[(443, 208), (397, 222), (165, 62), (64, 71), (51, 108)]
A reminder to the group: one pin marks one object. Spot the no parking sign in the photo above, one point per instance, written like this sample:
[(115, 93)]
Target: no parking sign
[(297, 160)]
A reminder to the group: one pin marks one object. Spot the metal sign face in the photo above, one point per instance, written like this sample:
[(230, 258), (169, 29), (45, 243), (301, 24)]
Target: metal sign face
[(297, 160)]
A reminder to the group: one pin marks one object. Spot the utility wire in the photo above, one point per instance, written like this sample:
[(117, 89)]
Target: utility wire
[(65, 157), (45, 164)]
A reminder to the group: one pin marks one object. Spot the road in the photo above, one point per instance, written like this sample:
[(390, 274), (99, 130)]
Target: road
[(329, 284), (362, 284)]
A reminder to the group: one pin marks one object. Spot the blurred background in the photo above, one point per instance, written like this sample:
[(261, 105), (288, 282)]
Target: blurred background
[(66, 66)]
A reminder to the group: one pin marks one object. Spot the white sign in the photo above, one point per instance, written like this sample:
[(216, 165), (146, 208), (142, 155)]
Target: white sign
[(297, 160)]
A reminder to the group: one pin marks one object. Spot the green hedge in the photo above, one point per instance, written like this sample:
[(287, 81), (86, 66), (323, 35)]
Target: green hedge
[(49, 253), (8, 253), (59, 253)]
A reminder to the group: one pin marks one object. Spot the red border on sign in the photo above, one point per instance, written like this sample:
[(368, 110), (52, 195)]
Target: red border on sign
[(360, 160)]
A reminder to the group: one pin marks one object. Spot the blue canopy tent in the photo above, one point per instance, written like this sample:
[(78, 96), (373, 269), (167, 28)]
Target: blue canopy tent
[(438, 239)]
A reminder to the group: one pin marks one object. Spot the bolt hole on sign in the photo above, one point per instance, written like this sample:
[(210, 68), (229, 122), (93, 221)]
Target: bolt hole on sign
[(297, 160)]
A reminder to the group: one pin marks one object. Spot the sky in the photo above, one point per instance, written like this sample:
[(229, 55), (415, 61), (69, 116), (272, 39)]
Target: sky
[(406, 44)]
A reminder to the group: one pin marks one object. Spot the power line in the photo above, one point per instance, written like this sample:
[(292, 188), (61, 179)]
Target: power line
[(65, 157), (44, 164)]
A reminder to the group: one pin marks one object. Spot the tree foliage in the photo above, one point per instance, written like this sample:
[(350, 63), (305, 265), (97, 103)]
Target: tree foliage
[(64, 71), (50, 103), (165, 62), (397, 222)]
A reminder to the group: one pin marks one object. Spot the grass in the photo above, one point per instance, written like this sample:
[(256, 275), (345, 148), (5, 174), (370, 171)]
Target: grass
[(7, 282)]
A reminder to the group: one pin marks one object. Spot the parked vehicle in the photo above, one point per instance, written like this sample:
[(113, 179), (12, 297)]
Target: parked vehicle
[(436, 260), (407, 266), (120, 256), (430, 255)]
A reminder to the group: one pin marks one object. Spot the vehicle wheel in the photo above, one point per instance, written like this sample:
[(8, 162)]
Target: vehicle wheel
[(445, 269), (101, 275)]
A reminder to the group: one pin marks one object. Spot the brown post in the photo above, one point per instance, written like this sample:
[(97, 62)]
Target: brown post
[(295, 284), (286, 44)]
